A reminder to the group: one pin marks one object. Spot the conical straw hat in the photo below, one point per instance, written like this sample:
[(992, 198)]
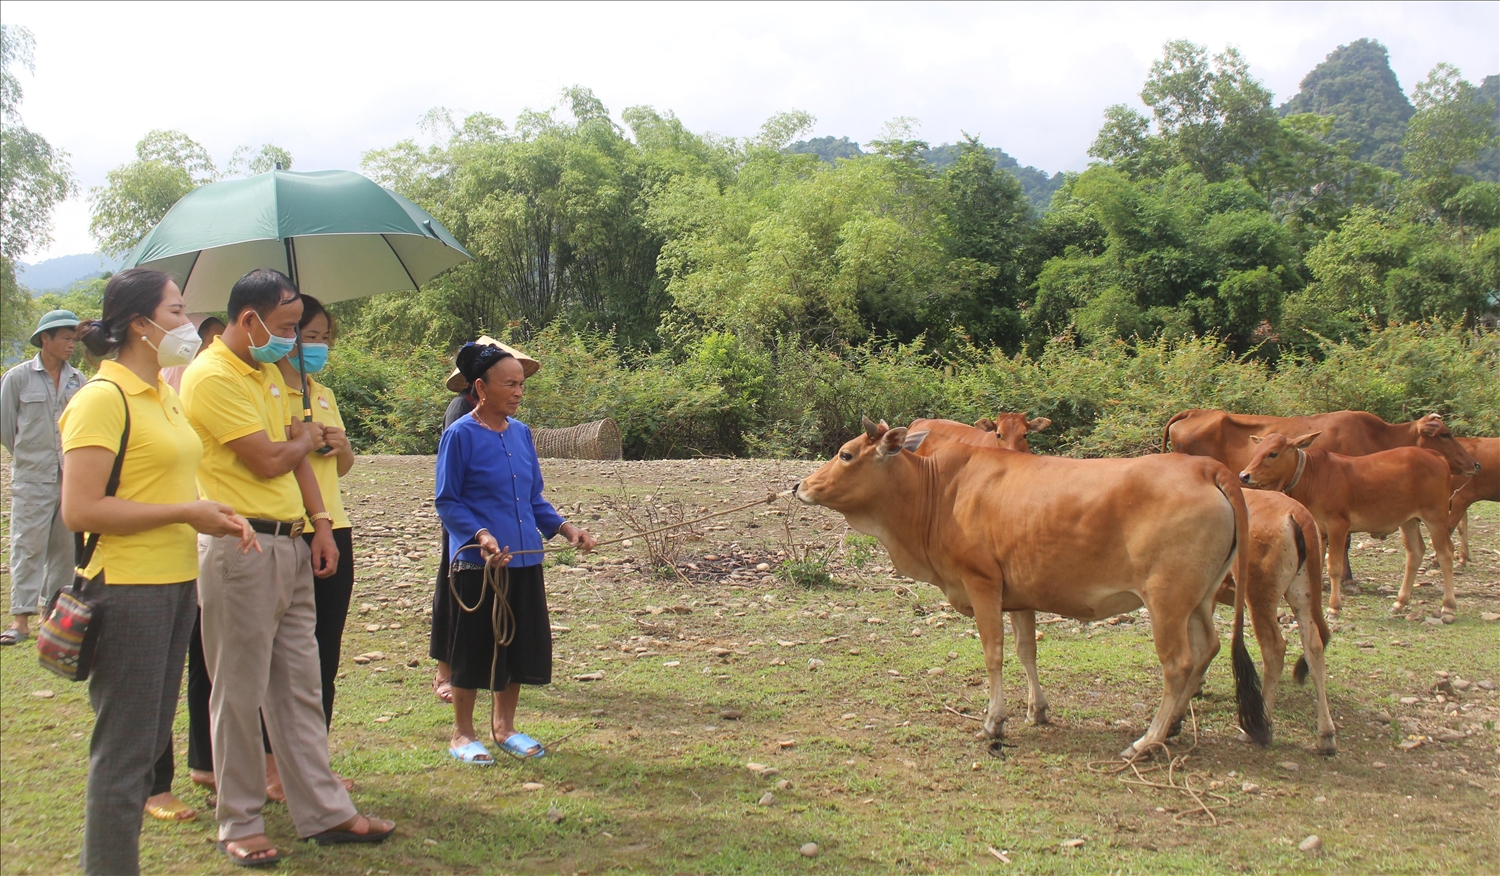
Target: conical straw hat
[(529, 366)]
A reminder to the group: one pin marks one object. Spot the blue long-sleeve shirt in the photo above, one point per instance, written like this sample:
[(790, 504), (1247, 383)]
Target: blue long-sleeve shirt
[(492, 480)]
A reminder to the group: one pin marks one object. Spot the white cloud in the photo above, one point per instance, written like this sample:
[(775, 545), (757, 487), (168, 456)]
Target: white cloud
[(328, 81)]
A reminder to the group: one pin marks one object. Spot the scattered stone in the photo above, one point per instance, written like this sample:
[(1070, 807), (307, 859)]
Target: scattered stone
[(1433, 621), (1490, 616), (809, 850), (731, 714), (361, 660), (1383, 717), (1449, 736), (1462, 684), (533, 786), (756, 768), (787, 743), (936, 670), (848, 716), (43, 694), (680, 609), (429, 842), (720, 652), (627, 543), (590, 676), (1409, 701), (1312, 845), (783, 785), (1289, 766), (1074, 843), (763, 567), (766, 799), (1411, 743), (952, 655), (1486, 684), (1249, 787), (383, 719), (672, 663), (597, 713), (413, 663), (875, 620), (554, 815), (814, 663)]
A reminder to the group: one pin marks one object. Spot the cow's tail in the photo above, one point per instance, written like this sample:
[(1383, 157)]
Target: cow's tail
[(1166, 431), (1310, 557), (1252, 707)]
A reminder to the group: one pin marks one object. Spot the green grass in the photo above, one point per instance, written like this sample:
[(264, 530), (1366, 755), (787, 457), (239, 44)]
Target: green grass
[(651, 777)]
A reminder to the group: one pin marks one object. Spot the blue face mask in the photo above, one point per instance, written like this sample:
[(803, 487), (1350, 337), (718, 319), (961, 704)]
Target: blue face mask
[(273, 350), (314, 357)]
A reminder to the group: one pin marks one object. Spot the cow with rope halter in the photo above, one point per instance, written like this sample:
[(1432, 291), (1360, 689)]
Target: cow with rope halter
[(1001, 531)]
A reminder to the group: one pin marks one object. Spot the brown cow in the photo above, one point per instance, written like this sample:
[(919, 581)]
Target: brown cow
[(1011, 429), (1083, 538), (1229, 438), (1483, 486), (1378, 493), (1286, 562)]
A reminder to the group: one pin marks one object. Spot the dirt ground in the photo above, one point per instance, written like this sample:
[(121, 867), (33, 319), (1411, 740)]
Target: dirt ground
[(716, 716)]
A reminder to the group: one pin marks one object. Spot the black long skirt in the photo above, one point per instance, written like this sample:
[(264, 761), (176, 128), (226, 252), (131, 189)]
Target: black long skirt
[(440, 641), (478, 664)]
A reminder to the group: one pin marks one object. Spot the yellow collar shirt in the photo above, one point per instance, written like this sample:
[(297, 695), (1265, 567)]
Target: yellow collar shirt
[(325, 466), (226, 399), (161, 462)]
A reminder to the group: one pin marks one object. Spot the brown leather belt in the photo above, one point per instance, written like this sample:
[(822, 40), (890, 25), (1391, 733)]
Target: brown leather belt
[(276, 527)]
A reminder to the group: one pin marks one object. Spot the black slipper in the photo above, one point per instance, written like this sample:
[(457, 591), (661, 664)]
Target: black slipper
[(239, 861), (337, 837)]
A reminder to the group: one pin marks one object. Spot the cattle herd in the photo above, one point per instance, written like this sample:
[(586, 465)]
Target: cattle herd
[(1003, 531)]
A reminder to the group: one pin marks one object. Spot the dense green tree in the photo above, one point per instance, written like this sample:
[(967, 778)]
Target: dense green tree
[(1039, 185), (989, 229), (168, 165), (1452, 127), (830, 149), (1357, 90)]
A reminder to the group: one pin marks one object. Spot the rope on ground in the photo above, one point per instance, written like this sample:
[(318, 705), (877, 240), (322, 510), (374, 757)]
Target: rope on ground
[(1203, 812)]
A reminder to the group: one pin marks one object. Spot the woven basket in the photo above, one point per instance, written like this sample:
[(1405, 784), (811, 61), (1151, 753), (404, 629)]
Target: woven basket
[(597, 440)]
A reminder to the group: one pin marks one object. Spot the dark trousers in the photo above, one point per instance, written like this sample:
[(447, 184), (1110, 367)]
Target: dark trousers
[(133, 689), (331, 596)]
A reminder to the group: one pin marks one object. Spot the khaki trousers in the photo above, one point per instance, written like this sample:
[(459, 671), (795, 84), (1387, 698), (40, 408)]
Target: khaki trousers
[(258, 623)]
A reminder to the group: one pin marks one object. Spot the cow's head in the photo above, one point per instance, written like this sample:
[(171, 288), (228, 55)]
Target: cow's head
[(857, 475), (1011, 430), (1276, 462), (1433, 434)]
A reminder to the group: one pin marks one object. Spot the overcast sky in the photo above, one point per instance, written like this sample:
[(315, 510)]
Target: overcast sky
[(328, 81)]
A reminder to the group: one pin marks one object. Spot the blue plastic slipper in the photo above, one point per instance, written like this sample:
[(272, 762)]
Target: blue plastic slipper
[(474, 754), (521, 745)]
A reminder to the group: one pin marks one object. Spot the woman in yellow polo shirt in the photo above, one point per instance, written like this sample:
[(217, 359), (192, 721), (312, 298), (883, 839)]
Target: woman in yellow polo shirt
[(145, 568), (332, 594)]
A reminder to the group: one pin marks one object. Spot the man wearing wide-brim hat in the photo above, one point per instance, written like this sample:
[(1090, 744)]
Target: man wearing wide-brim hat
[(32, 397)]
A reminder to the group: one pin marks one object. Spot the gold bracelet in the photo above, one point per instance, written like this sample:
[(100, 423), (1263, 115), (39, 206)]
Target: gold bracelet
[(321, 515)]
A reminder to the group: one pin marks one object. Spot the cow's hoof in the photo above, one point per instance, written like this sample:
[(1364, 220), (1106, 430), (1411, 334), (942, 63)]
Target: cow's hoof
[(1131, 753), (1398, 606), (1175, 730), (1327, 747), (1037, 716), (991, 731), (1448, 615)]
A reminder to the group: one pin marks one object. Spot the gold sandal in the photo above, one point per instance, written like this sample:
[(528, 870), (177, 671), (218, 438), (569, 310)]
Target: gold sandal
[(176, 810)]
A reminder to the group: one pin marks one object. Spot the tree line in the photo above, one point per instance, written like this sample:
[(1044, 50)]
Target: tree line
[(1275, 231)]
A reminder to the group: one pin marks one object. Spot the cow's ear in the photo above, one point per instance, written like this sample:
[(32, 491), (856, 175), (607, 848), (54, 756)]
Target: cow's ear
[(984, 424), (872, 428), (1256, 439), (1038, 424), (914, 440), (1305, 440), (891, 441)]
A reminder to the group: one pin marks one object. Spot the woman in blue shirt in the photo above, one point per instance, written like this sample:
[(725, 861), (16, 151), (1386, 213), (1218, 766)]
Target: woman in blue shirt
[(489, 496)]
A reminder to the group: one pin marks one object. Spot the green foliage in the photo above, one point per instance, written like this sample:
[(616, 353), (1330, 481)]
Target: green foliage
[(17, 316), (34, 176), (806, 573), (1355, 88), (168, 165), (1452, 127)]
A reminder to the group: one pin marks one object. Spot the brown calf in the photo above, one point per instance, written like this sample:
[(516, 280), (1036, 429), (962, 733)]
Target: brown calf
[(1230, 438), (1482, 486), (1286, 562), (1379, 493), (1011, 430)]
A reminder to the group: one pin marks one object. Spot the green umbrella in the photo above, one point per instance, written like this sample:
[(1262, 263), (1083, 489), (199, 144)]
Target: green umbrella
[(334, 232)]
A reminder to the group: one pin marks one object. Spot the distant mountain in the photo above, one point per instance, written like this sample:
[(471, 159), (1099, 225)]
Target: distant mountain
[(827, 148), (1357, 87), (1038, 185), (59, 274)]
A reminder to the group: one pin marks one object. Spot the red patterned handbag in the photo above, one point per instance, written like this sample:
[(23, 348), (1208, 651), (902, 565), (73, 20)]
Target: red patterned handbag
[(67, 637)]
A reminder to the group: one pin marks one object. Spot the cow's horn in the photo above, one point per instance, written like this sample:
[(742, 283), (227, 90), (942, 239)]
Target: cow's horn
[(871, 428)]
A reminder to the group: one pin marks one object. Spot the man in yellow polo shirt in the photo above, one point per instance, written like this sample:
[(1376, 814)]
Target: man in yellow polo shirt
[(258, 609)]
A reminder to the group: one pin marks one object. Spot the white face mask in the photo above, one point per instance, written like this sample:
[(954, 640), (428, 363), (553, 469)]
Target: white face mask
[(178, 347)]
